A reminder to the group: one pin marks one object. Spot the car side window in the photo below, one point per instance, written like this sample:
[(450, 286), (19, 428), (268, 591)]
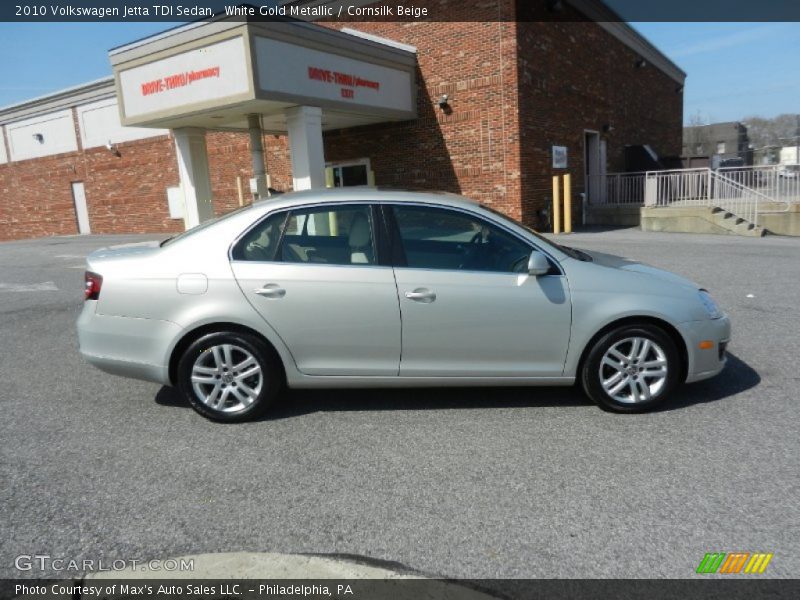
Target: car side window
[(438, 238), (340, 235), (261, 242)]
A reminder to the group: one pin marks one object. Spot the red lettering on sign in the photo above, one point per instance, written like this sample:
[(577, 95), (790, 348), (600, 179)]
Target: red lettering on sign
[(177, 80), (345, 79)]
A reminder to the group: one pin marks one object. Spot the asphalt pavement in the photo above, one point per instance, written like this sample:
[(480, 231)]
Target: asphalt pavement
[(493, 483)]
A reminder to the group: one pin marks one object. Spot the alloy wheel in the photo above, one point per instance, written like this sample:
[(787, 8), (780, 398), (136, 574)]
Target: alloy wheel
[(227, 378), (634, 370)]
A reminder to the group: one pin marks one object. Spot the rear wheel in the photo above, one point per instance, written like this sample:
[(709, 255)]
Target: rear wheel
[(632, 368), (228, 376)]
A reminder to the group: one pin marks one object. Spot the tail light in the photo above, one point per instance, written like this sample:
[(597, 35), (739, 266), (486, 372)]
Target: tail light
[(93, 283)]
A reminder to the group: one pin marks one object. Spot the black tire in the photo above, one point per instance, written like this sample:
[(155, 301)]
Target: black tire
[(640, 383), (240, 345)]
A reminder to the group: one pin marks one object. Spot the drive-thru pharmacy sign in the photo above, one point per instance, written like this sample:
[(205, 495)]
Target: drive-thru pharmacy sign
[(346, 80), (250, 72), (177, 80), (287, 69), (210, 73)]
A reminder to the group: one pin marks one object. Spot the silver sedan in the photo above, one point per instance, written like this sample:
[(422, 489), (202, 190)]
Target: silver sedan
[(370, 288)]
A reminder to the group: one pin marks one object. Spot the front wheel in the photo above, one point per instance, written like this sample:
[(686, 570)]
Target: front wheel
[(632, 368), (229, 376)]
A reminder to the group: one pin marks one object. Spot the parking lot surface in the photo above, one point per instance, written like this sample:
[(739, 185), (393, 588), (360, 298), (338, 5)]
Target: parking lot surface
[(507, 483)]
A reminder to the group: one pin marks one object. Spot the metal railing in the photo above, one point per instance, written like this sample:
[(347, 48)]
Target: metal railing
[(704, 187), (684, 186), (617, 188), (779, 182), (742, 191)]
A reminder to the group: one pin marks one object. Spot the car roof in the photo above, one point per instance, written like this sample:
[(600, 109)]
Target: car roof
[(363, 194)]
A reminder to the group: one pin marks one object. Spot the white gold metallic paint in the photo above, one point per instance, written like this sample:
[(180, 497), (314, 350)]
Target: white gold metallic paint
[(352, 326)]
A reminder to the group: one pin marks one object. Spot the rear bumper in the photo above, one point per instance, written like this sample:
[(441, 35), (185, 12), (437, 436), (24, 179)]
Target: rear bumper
[(125, 346), (706, 363)]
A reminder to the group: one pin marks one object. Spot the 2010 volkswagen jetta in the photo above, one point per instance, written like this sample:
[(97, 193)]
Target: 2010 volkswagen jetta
[(371, 288)]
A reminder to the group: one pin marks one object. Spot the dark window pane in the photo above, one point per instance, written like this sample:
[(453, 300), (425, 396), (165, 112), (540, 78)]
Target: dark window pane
[(261, 242), (334, 236), (354, 175), (436, 238)]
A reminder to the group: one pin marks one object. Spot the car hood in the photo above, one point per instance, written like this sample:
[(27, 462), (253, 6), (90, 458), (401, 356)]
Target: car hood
[(625, 264)]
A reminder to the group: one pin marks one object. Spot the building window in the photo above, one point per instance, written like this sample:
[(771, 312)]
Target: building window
[(720, 147)]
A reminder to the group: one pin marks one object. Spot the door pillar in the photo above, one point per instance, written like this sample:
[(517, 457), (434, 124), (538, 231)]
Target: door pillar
[(304, 124), (190, 147)]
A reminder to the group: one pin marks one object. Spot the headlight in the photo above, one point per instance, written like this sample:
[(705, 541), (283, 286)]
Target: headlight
[(712, 308)]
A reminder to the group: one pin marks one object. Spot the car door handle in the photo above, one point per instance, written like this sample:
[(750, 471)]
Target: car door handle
[(271, 290), (423, 295)]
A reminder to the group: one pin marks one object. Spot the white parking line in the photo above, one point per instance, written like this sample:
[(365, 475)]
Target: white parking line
[(46, 286)]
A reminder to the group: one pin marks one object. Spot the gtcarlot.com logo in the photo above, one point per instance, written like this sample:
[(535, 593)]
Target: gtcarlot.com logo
[(45, 562), (734, 562)]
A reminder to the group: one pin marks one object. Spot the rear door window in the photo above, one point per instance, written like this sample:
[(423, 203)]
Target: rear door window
[(334, 235)]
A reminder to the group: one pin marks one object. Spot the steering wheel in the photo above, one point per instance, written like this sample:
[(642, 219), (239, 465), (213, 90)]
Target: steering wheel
[(471, 250)]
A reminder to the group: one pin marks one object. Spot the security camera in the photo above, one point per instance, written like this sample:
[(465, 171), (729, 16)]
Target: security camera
[(112, 148), (442, 102)]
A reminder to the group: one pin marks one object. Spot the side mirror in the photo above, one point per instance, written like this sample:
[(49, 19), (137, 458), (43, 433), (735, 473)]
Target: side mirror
[(538, 264)]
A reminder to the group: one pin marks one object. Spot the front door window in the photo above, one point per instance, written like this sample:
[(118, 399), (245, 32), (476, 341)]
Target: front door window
[(436, 238)]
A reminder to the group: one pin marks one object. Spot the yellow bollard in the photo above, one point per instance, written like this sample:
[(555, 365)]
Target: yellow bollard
[(556, 206), (567, 204)]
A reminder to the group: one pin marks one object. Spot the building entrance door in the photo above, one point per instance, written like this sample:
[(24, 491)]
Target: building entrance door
[(594, 167), (81, 212)]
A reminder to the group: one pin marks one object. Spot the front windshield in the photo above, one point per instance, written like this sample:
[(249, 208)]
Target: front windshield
[(571, 252), (203, 225)]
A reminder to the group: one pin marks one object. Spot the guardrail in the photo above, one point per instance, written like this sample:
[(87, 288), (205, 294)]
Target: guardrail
[(779, 182), (704, 187), (617, 188), (743, 191)]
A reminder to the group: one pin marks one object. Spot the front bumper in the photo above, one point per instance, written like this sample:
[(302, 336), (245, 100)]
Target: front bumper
[(705, 363), (126, 346)]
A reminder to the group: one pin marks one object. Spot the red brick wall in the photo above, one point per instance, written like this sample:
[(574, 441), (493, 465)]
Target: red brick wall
[(228, 158), (515, 88), (472, 148), (124, 194), (574, 76)]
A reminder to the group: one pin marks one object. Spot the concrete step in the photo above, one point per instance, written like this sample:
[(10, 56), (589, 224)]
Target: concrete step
[(697, 219), (733, 223)]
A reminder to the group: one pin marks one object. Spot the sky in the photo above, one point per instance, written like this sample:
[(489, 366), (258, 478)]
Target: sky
[(734, 70)]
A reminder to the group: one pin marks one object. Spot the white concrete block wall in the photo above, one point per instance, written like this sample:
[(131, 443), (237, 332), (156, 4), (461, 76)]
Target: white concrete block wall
[(57, 132), (99, 123), (3, 157)]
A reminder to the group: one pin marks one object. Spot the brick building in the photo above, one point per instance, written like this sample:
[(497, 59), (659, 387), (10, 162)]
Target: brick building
[(525, 78), (726, 141)]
